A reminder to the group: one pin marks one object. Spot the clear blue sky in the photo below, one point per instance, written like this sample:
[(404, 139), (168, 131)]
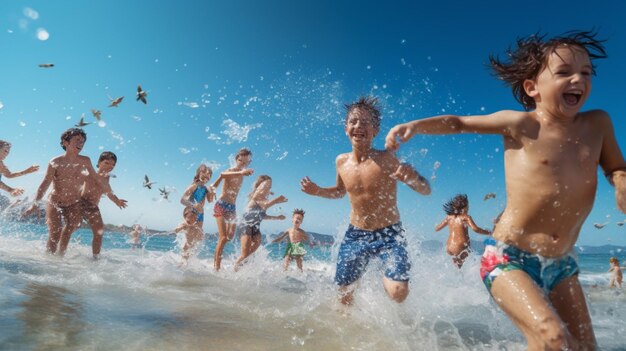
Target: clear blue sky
[(273, 76)]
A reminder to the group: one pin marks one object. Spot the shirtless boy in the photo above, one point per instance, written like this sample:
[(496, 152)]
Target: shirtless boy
[(297, 237), (193, 232), (551, 159), (66, 173), (370, 177), (457, 220), (93, 190), (224, 211)]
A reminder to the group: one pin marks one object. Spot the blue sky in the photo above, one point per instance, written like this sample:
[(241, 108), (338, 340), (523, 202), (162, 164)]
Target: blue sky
[(273, 76)]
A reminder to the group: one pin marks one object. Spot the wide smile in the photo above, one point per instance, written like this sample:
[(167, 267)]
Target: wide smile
[(573, 97)]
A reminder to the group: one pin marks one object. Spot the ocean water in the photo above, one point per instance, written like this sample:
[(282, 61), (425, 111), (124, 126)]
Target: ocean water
[(142, 300)]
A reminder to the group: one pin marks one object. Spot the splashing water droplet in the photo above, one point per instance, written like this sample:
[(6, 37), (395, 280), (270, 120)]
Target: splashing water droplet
[(102, 124), (556, 204)]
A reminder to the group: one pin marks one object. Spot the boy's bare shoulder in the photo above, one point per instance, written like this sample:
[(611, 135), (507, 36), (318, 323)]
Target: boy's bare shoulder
[(599, 117), (342, 158)]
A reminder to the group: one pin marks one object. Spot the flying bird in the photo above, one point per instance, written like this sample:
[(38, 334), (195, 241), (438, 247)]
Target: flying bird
[(46, 65), (600, 226), (620, 223), (96, 113), (82, 122), (489, 196), (147, 183), (164, 193), (141, 95), (115, 102)]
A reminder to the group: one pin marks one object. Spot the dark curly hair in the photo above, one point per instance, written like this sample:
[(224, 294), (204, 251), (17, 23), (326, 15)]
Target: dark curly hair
[(531, 56), (456, 205), (70, 133), (298, 211), (367, 103)]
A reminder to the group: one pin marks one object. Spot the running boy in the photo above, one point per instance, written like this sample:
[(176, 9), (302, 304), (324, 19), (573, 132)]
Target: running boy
[(193, 232), (93, 190), (616, 277), (457, 220), (224, 211), (66, 173), (295, 248), (370, 177), (5, 149), (552, 152)]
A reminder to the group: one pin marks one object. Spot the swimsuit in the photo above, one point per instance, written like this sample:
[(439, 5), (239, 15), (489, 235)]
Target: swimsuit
[(90, 211), (295, 249), (224, 209), (196, 197), (360, 245), (547, 272), (252, 220)]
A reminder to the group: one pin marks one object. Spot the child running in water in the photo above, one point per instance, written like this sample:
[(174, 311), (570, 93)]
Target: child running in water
[(67, 174), (255, 213), (93, 190), (135, 237), (193, 232), (197, 193), (224, 211), (552, 152), (370, 178), (616, 278), (5, 149), (457, 220), (297, 237)]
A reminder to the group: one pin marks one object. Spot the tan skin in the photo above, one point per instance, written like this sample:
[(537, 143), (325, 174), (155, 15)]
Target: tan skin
[(296, 235), (369, 177), (617, 277), (193, 234), (209, 197), (5, 172), (233, 179), (93, 191), (459, 240), (260, 196), (551, 159), (67, 174)]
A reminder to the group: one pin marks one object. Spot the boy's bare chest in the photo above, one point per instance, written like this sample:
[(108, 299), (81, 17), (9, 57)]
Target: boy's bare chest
[(71, 169), (364, 176)]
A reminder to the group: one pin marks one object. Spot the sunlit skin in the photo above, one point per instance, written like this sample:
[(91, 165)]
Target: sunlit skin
[(260, 197), (296, 235), (193, 233), (459, 241), (93, 190), (67, 174), (551, 159), (204, 175), (233, 178), (5, 172), (617, 276), (369, 177)]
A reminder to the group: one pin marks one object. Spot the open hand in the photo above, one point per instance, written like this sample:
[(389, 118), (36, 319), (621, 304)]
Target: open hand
[(309, 187)]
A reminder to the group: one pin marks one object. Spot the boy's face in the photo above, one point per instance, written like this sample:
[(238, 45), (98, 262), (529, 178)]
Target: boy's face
[(106, 165), (243, 161), (297, 219), (75, 144), (191, 218), (563, 86), (360, 127)]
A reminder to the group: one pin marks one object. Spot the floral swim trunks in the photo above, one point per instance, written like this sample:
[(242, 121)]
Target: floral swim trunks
[(547, 272), (225, 209), (359, 245)]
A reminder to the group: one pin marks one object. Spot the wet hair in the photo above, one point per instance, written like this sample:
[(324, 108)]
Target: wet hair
[(243, 152), (107, 155), (4, 144), (531, 57), (258, 182), (202, 168), (298, 211), (70, 133), (456, 205), (187, 210), (368, 104), (614, 260)]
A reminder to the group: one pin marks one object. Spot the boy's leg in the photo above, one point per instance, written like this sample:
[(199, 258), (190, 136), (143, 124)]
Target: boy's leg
[(299, 263), (397, 290), (72, 215), (221, 242), (55, 225), (94, 218), (569, 301), (246, 244), (527, 306), (346, 293), (287, 262)]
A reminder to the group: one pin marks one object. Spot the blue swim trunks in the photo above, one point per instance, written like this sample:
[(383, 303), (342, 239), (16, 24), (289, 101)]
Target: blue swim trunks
[(547, 272), (359, 245)]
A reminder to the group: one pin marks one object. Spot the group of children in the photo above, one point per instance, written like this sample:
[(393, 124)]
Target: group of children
[(552, 151)]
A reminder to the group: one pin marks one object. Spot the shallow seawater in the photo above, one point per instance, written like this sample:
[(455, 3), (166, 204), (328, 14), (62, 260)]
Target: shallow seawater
[(142, 300)]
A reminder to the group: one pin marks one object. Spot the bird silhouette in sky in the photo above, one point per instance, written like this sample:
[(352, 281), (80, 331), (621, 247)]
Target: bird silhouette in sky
[(141, 95), (115, 102), (147, 183)]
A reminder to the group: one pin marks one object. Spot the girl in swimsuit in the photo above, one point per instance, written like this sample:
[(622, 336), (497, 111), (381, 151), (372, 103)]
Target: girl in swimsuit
[(198, 193)]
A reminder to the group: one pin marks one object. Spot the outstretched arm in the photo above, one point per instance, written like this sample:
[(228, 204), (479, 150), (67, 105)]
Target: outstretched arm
[(476, 228), (441, 225), (121, 203), (278, 218), (7, 173), (281, 237), (408, 175), (41, 191)]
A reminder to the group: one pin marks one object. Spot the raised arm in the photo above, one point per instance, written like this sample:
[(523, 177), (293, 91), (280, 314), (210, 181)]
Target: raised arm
[(476, 228), (441, 225), (7, 173), (612, 161)]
